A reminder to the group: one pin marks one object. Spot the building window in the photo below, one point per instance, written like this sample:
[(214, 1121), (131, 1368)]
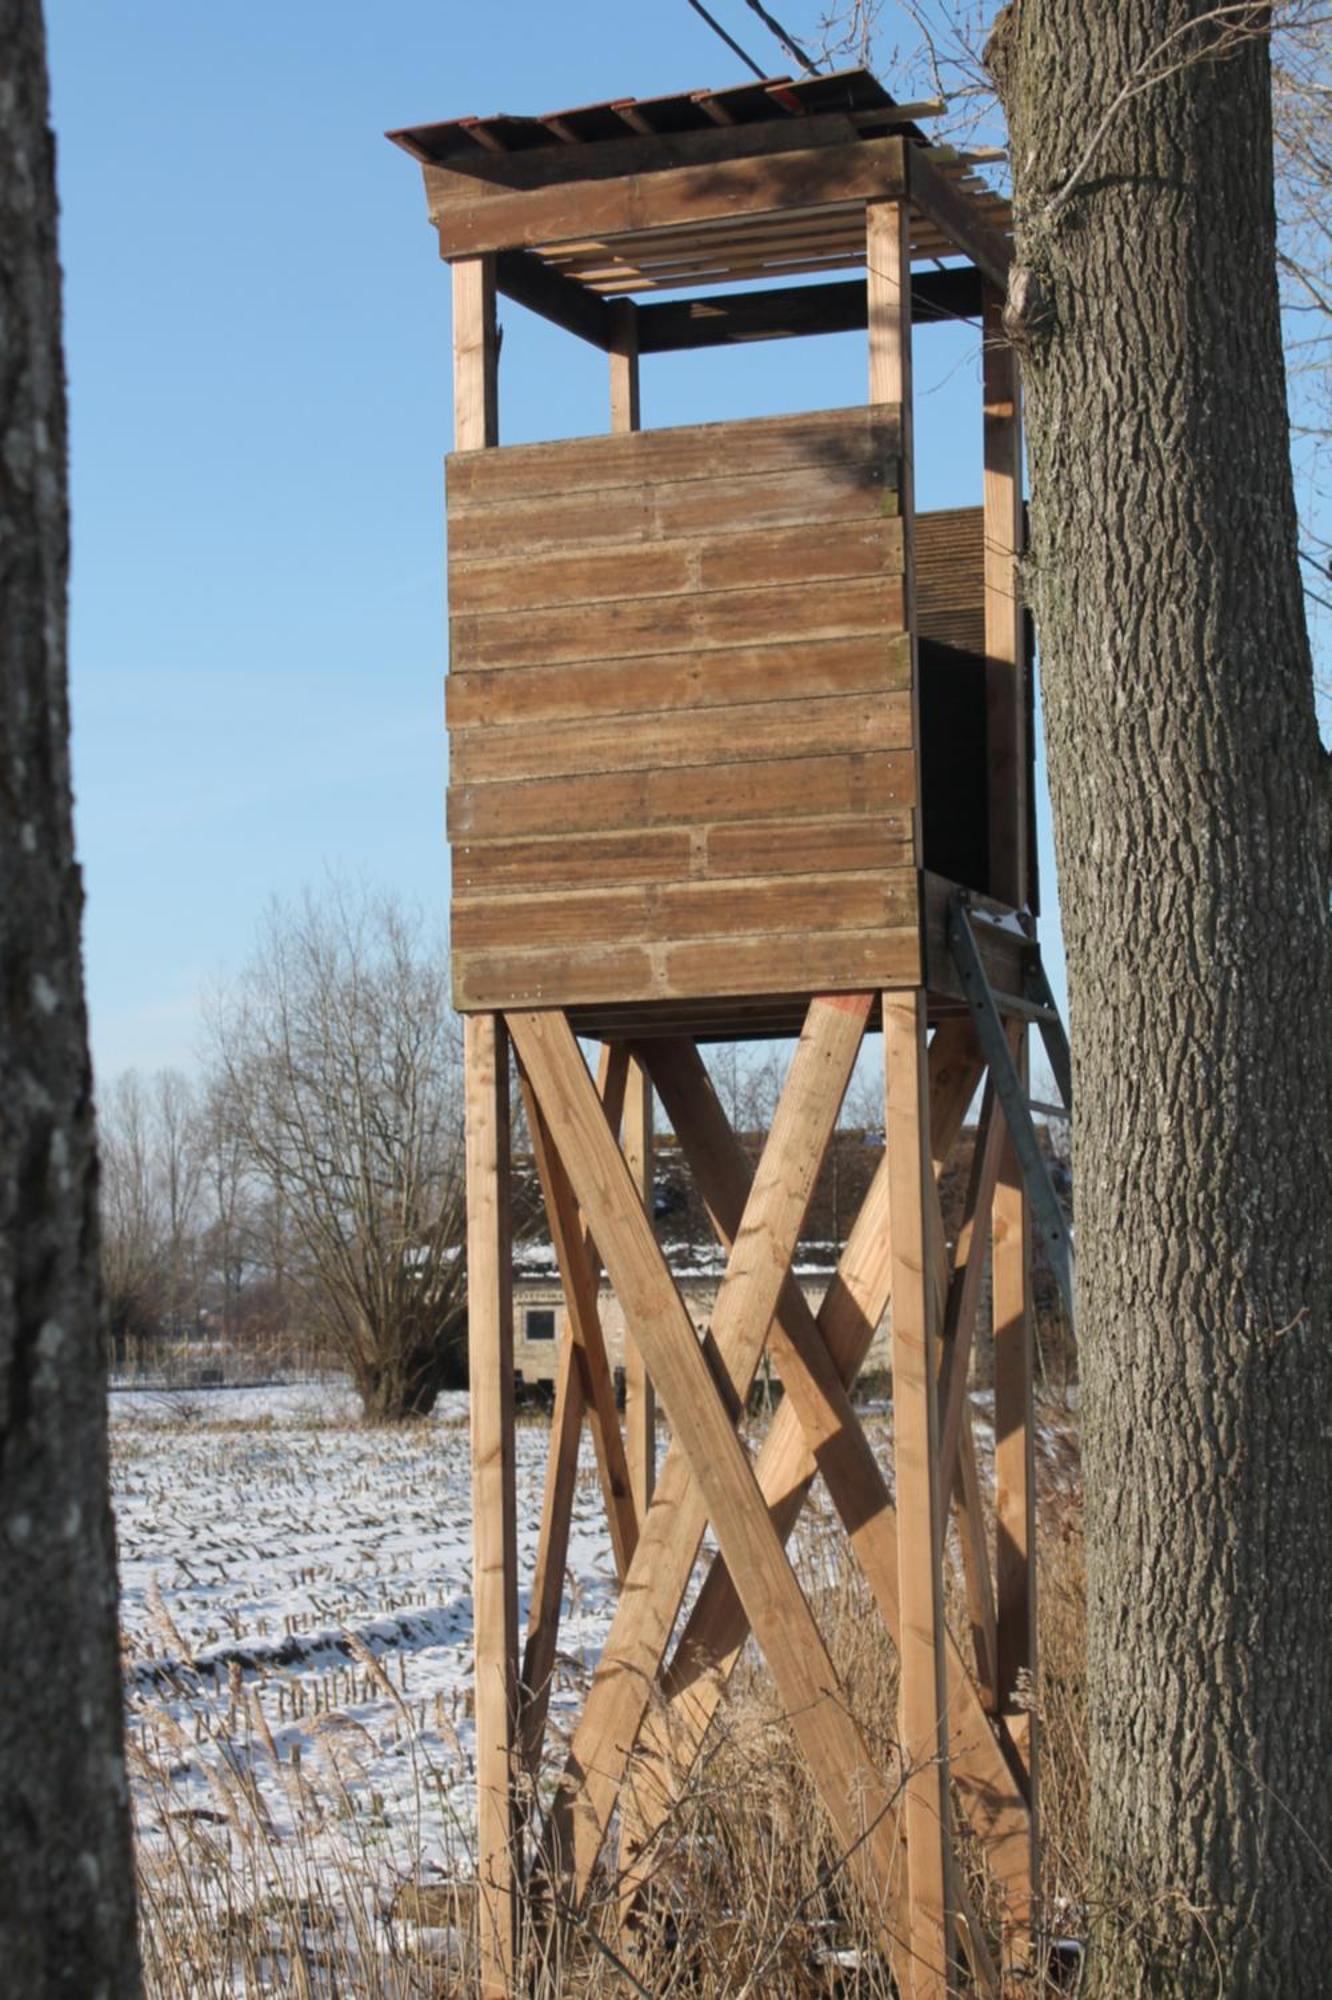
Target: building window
[(539, 1323)]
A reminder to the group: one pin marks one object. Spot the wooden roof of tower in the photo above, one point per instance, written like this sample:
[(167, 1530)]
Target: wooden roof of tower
[(640, 196)]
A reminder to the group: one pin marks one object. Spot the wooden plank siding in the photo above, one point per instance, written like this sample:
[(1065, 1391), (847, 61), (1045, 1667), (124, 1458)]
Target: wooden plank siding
[(679, 707), (811, 178)]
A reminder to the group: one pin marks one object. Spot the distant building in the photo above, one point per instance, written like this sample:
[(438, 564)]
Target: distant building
[(538, 1303), (697, 1262), (694, 1256)]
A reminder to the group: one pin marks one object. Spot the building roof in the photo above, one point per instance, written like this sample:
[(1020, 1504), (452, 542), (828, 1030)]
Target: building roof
[(851, 91), (809, 222)]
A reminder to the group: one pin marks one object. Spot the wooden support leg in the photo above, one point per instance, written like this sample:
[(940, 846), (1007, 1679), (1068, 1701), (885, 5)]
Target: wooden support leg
[(574, 1252), (859, 1804), (715, 1632), (494, 1523), (673, 1530), (1015, 1467), (919, 1525), (1005, 650), (543, 1620), (640, 1402)]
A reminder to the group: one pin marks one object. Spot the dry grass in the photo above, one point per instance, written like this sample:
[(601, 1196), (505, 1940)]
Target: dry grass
[(749, 1893)]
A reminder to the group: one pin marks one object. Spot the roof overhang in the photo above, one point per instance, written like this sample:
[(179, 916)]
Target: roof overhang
[(637, 197)]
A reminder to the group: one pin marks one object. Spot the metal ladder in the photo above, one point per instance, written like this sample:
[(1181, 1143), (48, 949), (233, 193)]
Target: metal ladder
[(1035, 1003)]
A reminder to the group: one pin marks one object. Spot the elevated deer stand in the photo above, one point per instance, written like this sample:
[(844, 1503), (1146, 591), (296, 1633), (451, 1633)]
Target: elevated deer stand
[(729, 728)]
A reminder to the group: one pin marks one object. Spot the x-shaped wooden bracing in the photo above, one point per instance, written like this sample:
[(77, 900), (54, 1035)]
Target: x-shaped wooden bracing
[(708, 1473)]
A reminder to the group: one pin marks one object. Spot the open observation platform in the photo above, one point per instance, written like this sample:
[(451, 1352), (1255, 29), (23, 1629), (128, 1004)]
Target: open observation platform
[(727, 719)]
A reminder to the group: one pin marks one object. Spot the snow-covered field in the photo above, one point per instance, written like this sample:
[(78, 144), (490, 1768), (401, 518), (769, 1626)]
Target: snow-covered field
[(296, 1611)]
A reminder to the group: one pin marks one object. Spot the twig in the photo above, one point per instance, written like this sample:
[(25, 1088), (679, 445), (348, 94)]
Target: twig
[(1237, 21)]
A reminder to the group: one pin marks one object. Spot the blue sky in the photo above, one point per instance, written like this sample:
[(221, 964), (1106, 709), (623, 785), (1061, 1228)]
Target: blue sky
[(257, 331)]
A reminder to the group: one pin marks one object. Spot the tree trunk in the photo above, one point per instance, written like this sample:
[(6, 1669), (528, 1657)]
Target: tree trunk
[(1192, 845), (67, 1904)]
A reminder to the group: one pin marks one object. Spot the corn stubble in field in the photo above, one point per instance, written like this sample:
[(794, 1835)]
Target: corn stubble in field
[(298, 1684)]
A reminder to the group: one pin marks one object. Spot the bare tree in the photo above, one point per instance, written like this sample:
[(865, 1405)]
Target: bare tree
[(231, 1221), (153, 1152), (1192, 828), (339, 1056), (748, 1081), (181, 1158), (134, 1281), (67, 1908)]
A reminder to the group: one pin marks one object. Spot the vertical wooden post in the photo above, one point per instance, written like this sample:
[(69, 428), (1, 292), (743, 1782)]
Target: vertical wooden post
[(919, 1501), (475, 355), (640, 1405), (489, 1298), (1015, 1468), (640, 1400), (1005, 648), (494, 1519), (915, 1323), (888, 295), (624, 365)]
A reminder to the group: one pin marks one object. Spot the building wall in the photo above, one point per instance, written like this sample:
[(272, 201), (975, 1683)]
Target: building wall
[(535, 1360)]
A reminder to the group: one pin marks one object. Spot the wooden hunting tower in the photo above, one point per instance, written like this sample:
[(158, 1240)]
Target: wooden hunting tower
[(731, 727)]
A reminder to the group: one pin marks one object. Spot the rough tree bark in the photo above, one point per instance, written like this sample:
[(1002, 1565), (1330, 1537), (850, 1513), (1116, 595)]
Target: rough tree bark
[(66, 1878), (1192, 844)]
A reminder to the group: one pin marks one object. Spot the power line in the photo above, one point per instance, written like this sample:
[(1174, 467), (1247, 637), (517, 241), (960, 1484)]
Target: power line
[(775, 27), (733, 46)]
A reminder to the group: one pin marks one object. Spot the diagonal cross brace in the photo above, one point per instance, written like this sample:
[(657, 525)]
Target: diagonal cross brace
[(571, 1403), (715, 1633), (859, 1804), (675, 1522)]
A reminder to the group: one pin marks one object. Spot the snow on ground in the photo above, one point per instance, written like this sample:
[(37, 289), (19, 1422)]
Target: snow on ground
[(296, 1617)]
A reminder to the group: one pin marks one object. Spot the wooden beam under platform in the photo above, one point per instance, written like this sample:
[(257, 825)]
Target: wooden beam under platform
[(729, 319), (528, 282)]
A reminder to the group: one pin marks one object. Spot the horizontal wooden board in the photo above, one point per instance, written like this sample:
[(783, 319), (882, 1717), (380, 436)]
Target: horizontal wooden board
[(796, 962), (656, 913), (680, 718), (814, 550), (499, 641), (859, 436), (519, 867), (766, 788), (1001, 951), (667, 741), (812, 177), (472, 176), (724, 674), (807, 846), (845, 845), (752, 1017), (809, 962), (755, 502), (963, 630), (950, 578)]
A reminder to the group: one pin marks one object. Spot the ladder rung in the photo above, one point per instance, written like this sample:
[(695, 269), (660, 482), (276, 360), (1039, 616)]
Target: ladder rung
[(1047, 1110), (1029, 1010)]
